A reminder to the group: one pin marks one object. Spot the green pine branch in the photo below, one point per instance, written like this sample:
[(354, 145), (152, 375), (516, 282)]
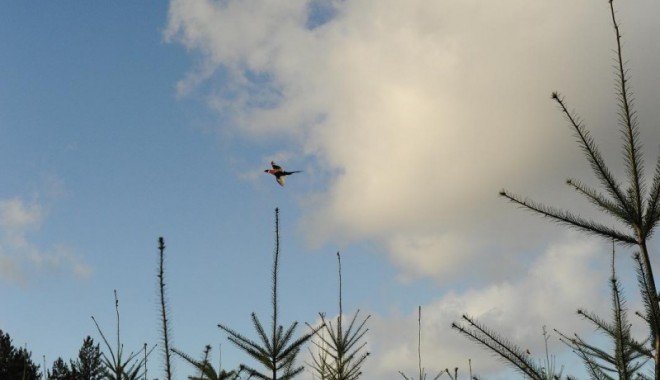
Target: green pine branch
[(628, 355), (115, 367), (500, 345), (277, 350), (206, 370), (637, 208), (340, 349)]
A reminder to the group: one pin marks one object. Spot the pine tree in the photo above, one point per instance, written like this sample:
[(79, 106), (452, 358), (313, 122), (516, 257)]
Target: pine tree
[(16, 364), (89, 365), (115, 366), (277, 351), (340, 355), (628, 356), (637, 207), (60, 371)]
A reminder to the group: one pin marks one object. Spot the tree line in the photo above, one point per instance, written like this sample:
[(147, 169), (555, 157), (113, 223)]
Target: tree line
[(16, 363)]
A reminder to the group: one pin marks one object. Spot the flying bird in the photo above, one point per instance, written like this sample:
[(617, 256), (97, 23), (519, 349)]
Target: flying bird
[(279, 173)]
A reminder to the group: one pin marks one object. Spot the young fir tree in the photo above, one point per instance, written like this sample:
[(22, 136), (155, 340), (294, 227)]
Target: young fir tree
[(422, 373), (277, 351), (339, 355), (115, 366), (205, 368), (636, 206), (628, 356), (164, 319)]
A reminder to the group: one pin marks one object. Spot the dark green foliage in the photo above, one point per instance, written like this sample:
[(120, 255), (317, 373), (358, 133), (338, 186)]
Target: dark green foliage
[(277, 349), (339, 356), (637, 207), (89, 365), (16, 363), (60, 371), (205, 369)]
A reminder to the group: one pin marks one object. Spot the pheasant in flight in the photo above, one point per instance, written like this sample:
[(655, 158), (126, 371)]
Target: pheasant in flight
[(279, 173)]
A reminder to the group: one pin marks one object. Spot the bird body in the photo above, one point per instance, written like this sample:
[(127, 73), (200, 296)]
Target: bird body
[(279, 173)]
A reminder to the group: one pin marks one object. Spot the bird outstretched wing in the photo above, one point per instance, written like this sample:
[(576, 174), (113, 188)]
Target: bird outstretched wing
[(279, 173)]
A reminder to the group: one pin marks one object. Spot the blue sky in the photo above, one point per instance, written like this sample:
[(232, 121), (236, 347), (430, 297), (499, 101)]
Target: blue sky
[(100, 150), (123, 122)]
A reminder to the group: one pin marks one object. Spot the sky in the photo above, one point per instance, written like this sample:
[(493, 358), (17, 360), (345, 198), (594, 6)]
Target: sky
[(121, 122)]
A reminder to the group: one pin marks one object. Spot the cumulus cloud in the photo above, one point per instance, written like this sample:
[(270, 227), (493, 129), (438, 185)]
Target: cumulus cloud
[(560, 281), (19, 255), (420, 112)]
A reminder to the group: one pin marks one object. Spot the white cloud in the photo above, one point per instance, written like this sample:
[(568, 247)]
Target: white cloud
[(14, 214), (560, 281), (422, 111), (19, 255)]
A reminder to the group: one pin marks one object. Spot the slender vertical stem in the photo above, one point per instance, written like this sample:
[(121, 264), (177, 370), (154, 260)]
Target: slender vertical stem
[(340, 334), (277, 253), (340, 307), (163, 309), (117, 311), (653, 294), (419, 341), (145, 361)]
